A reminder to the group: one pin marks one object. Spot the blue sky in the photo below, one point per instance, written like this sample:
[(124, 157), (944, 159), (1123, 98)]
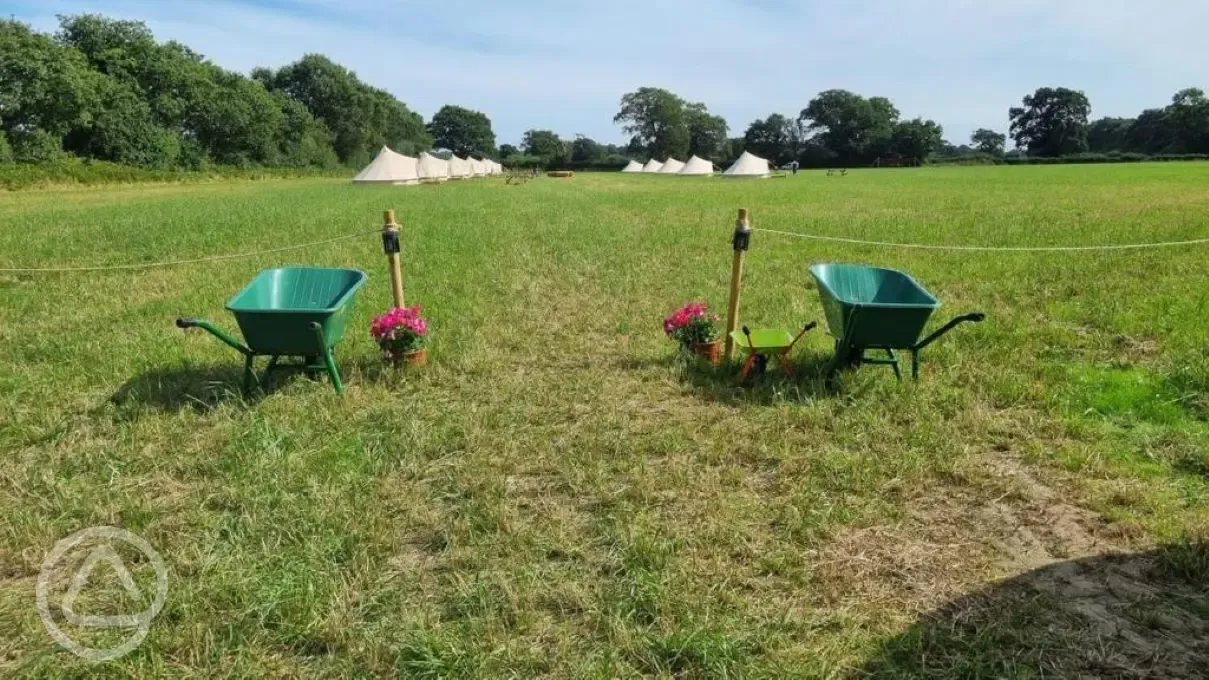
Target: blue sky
[(564, 64)]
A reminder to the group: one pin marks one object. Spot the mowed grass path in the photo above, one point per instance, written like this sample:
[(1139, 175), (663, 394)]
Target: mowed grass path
[(559, 494)]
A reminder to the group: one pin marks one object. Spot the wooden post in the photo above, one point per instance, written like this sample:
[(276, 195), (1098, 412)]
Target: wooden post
[(390, 245), (741, 241)]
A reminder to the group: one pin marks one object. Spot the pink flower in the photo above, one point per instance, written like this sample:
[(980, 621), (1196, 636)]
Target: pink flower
[(399, 325)]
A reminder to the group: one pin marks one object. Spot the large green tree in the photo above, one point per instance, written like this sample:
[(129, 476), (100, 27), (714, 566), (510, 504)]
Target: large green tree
[(851, 127), (462, 131), (360, 118), (778, 138), (1151, 132), (587, 150), (916, 139), (656, 121), (546, 145), (1188, 115), (1108, 134), (122, 129), (769, 137), (1052, 122), (706, 132), (989, 141), (45, 87)]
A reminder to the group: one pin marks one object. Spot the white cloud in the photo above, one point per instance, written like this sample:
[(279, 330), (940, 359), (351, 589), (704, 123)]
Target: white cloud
[(564, 65)]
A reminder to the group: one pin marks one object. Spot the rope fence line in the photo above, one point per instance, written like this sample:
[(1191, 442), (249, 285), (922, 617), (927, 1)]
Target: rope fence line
[(173, 263), (1013, 249), (793, 234)]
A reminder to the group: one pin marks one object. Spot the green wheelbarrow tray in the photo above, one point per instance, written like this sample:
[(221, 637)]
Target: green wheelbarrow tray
[(290, 311), (874, 308), (761, 343)]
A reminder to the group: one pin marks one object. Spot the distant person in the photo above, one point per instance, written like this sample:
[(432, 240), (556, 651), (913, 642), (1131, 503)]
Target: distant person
[(793, 165)]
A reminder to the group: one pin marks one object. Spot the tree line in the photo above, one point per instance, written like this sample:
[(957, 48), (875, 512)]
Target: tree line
[(105, 89), (842, 128)]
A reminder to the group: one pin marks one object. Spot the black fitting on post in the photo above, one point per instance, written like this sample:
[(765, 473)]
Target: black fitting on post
[(742, 238), (390, 242)]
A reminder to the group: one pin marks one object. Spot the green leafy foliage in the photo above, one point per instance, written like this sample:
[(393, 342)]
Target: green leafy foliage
[(916, 138), (852, 127), (1108, 134), (1052, 122), (706, 132), (546, 145), (988, 141), (361, 119), (656, 121), (44, 85), (587, 150), (104, 89), (6, 151), (462, 131), (35, 146)]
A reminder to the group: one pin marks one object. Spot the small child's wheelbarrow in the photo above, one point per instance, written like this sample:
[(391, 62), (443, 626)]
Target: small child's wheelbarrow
[(290, 311), (873, 308), (762, 343)]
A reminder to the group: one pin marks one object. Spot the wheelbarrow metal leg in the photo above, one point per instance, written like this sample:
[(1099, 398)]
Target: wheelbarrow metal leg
[(897, 374), (786, 364), (249, 373), (747, 365), (328, 360), (915, 364)]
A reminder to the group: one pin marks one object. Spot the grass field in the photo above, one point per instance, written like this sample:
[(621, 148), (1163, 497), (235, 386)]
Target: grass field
[(559, 494)]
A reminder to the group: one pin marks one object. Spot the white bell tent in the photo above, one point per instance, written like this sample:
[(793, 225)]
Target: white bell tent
[(748, 166), (432, 168), (389, 167), (458, 168), (697, 166), (671, 166), (652, 166), (632, 166)]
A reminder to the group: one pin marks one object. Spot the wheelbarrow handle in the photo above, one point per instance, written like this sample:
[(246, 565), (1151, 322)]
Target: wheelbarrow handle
[(195, 322), (805, 329), (972, 317)]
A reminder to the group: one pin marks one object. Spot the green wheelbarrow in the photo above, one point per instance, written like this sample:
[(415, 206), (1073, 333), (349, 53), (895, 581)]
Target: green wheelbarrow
[(870, 308), (290, 312)]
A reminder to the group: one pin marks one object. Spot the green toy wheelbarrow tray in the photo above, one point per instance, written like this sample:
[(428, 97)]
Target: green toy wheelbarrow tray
[(290, 312), (870, 308)]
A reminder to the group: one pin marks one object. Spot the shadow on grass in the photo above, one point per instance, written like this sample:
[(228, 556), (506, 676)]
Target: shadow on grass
[(807, 383), (199, 388), (1139, 615), (196, 388)]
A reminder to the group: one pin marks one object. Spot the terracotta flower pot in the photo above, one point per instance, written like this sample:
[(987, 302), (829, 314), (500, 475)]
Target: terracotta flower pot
[(415, 357), (710, 351)]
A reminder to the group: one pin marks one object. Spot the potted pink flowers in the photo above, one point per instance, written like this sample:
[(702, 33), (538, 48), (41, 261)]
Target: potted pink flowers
[(401, 333), (693, 327)]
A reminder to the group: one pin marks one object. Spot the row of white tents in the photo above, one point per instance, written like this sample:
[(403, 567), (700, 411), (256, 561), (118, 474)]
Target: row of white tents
[(390, 167), (748, 165)]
